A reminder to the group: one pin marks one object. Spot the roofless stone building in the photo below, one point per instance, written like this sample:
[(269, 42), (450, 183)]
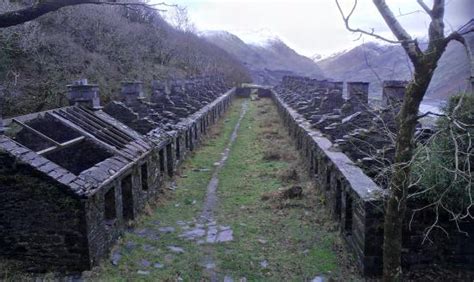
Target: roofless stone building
[(345, 145), (71, 178)]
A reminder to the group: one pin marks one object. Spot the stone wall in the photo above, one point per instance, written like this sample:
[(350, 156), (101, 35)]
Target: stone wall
[(353, 198), (162, 163), (243, 92), (344, 146), (42, 224)]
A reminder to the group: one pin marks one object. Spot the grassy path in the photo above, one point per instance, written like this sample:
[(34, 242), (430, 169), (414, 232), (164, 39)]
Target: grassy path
[(273, 238)]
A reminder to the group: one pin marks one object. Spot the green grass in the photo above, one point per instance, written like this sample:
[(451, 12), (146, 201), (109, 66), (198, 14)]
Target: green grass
[(191, 187), (295, 236), (295, 247)]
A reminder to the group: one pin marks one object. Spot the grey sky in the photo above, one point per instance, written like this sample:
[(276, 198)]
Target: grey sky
[(312, 27)]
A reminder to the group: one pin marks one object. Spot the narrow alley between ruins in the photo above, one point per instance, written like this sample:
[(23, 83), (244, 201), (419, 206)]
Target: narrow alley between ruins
[(241, 209)]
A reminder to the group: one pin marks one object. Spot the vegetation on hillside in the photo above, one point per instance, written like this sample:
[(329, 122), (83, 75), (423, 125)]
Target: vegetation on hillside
[(106, 44)]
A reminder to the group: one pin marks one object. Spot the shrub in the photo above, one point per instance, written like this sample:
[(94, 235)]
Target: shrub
[(445, 164)]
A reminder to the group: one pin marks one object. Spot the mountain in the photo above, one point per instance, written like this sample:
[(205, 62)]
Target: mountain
[(368, 62), (267, 61), (374, 63)]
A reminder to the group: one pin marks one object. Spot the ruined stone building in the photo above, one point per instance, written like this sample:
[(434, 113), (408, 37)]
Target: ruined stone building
[(346, 144), (71, 178)]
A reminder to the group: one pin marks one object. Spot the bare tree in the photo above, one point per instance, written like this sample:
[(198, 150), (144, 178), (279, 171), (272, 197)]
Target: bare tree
[(40, 8), (105, 43), (179, 19), (425, 63)]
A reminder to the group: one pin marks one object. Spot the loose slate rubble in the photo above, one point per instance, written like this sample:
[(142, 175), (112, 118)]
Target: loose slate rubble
[(355, 128), (72, 178)]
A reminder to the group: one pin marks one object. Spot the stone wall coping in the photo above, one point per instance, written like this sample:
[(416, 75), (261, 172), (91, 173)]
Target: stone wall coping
[(28, 117), (358, 82), (395, 83), (197, 115)]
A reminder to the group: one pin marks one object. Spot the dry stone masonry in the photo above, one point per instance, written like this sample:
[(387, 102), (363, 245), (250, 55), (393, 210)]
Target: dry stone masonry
[(347, 145), (71, 178)]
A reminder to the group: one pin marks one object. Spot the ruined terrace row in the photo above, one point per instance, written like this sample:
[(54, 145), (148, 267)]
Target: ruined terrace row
[(103, 164)]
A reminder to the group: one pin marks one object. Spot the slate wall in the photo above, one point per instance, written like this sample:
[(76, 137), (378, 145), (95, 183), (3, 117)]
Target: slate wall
[(42, 225), (357, 203), (103, 232), (49, 228), (353, 198)]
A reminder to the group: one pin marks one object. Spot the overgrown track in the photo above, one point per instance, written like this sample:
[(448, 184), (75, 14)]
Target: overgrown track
[(253, 231)]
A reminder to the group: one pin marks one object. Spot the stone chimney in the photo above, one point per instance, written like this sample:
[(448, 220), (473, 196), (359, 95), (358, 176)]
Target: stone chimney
[(336, 85), (2, 129), (332, 99), (393, 92), (335, 91), (189, 86), (157, 85), (159, 91), (358, 92), (472, 85), (177, 87), (132, 91), (83, 94)]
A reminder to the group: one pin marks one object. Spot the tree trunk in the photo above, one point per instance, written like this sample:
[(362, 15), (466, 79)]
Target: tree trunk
[(425, 62), (398, 190)]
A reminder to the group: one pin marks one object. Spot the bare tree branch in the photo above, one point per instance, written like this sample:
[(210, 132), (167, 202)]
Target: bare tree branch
[(400, 177), (400, 33), (358, 30), (436, 28), (411, 46), (41, 8), (425, 7), (370, 66)]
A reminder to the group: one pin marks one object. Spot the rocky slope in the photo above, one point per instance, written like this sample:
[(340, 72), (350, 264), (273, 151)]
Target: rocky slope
[(267, 62)]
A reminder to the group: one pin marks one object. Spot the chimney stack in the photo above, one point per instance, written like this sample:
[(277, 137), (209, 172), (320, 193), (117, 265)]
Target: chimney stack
[(334, 91), (132, 91), (358, 92), (159, 91), (81, 93), (393, 92), (2, 129), (157, 85), (472, 85), (177, 87)]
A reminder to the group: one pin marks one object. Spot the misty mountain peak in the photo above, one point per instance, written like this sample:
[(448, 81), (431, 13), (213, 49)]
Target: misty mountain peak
[(266, 55), (220, 34)]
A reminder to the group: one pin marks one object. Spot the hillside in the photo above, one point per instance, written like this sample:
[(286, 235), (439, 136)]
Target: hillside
[(373, 62), (107, 45), (267, 62)]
